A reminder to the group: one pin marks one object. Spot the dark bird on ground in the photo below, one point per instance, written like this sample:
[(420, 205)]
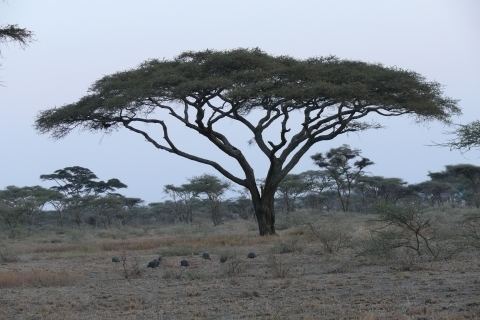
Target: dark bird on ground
[(155, 263)]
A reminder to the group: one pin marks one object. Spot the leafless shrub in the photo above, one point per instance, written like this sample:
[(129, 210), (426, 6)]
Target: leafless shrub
[(130, 268), (402, 228)]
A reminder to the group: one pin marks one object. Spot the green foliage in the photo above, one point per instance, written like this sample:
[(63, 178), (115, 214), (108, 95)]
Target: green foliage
[(248, 77), (79, 181), (467, 137)]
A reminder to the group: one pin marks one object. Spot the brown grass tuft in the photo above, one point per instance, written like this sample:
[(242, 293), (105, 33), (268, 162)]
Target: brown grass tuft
[(36, 278)]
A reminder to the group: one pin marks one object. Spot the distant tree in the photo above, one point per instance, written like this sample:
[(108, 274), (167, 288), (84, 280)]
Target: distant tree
[(162, 212), (319, 182), (212, 188), (466, 177), (183, 197), (434, 191), (111, 206), (130, 204), (241, 204), (19, 205), (374, 189), (205, 90), (79, 185), (345, 166), (291, 187)]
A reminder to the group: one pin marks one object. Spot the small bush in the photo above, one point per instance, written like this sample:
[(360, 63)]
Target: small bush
[(381, 244), (233, 267), (332, 237)]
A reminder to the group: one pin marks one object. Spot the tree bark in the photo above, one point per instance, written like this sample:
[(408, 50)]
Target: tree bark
[(265, 213)]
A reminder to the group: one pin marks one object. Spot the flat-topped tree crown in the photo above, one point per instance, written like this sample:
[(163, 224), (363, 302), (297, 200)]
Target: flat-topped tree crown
[(201, 89)]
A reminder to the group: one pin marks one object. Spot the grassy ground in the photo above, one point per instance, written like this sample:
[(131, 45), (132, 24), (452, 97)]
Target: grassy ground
[(298, 274)]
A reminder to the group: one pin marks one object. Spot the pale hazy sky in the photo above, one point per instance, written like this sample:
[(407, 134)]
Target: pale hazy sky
[(79, 41)]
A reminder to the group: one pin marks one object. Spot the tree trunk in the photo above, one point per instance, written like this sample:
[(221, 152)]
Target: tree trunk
[(265, 214)]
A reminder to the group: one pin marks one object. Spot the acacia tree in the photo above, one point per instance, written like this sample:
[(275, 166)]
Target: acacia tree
[(112, 206), (203, 90), (22, 204), (344, 165), (466, 177), (436, 192), (79, 186), (377, 188), (182, 197), (212, 188)]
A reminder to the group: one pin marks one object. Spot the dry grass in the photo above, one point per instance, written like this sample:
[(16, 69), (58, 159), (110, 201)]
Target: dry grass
[(193, 243), (292, 277), (36, 278), (7, 255)]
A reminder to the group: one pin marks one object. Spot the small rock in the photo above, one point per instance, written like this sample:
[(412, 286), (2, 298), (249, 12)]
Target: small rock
[(184, 263), (155, 263), (251, 255), (223, 259), (206, 256), (115, 259)]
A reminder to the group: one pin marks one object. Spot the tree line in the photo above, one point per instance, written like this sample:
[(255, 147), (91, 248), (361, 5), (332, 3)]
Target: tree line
[(340, 182)]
